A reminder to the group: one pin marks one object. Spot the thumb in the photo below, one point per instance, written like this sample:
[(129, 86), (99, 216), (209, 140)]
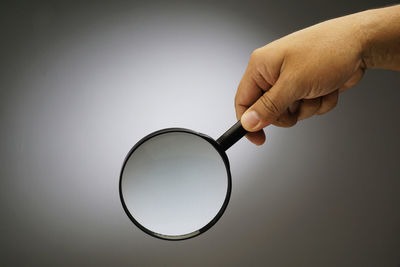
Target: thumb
[(269, 107)]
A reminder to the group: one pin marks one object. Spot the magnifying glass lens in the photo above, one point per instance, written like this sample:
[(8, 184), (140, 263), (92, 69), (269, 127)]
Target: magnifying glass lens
[(174, 184)]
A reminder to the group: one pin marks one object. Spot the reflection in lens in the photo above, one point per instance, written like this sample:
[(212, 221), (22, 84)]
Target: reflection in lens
[(174, 183)]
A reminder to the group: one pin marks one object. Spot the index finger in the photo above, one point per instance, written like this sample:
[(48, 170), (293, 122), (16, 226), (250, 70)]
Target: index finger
[(248, 92), (251, 87)]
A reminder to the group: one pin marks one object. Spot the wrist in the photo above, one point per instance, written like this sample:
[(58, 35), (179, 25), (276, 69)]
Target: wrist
[(380, 38)]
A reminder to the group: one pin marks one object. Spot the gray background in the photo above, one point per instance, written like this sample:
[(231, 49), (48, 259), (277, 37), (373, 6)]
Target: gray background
[(82, 82)]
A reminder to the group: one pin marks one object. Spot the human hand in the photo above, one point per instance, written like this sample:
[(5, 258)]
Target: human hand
[(299, 75)]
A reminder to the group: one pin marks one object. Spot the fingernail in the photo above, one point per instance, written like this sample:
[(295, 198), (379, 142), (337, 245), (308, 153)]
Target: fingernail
[(250, 119)]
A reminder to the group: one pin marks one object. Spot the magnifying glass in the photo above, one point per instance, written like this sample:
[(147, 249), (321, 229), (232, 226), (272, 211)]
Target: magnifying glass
[(176, 183)]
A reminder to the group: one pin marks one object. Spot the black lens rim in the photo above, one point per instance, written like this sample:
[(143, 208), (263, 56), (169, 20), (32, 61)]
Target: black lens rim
[(217, 216)]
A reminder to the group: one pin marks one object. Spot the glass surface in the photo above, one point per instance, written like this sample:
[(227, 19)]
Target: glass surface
[(174, 183)]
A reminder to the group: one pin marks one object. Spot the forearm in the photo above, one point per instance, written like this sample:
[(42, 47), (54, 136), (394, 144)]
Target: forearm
[(381, 38)]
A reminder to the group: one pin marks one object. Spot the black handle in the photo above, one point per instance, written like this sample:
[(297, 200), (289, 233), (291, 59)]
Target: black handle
[(231, 136)]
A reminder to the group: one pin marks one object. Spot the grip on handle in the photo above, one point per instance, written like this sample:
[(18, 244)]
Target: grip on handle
[(230, 137)]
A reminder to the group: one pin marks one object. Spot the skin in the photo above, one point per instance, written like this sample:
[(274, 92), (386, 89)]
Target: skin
[(302, 74)]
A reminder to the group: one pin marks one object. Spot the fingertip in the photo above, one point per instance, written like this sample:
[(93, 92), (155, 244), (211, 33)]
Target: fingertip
[(250, 120), (257, 138)]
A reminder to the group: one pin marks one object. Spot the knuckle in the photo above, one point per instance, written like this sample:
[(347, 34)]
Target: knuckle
[(269, 106), (255, 55)]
